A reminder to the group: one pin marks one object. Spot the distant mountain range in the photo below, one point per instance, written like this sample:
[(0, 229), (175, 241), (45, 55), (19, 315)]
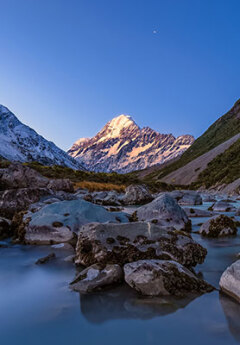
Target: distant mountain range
[(19, 142), (122, 146)]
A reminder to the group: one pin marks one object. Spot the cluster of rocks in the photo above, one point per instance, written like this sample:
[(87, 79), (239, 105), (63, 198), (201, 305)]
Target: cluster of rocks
[(134, 195), (150, 249)]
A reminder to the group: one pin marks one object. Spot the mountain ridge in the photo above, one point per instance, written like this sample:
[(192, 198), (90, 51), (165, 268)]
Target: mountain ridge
[(122, 146), (19, 142)]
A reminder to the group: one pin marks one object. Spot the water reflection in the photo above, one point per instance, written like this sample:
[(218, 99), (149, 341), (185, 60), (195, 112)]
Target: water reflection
[(232, 313), (124, 303)]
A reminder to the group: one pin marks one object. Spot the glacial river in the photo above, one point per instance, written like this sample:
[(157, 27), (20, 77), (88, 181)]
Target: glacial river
[(37, 307)]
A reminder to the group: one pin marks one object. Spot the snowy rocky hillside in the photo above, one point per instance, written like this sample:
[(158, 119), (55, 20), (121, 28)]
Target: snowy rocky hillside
[(123, 146), (19, 142)]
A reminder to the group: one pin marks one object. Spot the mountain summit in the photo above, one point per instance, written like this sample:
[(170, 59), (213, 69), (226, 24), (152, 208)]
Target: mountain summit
[(19, 142), (122, 146)]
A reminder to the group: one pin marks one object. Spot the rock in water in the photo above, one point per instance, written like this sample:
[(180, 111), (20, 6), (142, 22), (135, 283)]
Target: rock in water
[(195, 212), (45, 259), (223, 206), (137, 195), (186, 197), (165, 211), (230, 281), (97, 277), (123, 243), (218, 226), (161, 277), (57, 222)]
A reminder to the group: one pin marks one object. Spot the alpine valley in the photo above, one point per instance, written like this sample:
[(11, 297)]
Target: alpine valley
[(122, 146)]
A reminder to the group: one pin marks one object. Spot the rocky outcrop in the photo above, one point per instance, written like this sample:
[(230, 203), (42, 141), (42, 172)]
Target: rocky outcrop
[(218, 226), (136, 195), (162, 277), (97, 277), (164, 211), (123, 243), (122, 146), (21, 186), (57, 222), (230, 281), (19, 176), (15, 200)]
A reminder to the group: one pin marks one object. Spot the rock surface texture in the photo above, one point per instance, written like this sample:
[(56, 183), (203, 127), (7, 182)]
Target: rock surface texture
[(97, 277), (230, 281), (186, 197), (57, 222), (161, 277), (123, 243), (136, 195), (218, 226), (164, 211)]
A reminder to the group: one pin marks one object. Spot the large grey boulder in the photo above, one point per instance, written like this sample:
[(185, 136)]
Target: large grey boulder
[(186, 197), (165, 211), (18, 175), (230, 281), (163, 277), (16, 200), (64, 185), (97, 277), (56, 223), (123, 243), (137, 195), (223, 206), (218, 226)]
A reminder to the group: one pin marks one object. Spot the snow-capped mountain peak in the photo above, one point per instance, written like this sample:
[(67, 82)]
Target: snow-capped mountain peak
[(122, 146), (19, 142), (116, 126)]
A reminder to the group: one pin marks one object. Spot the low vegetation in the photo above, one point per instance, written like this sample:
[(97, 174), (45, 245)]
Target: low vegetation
[(106, 181), (98, 186)]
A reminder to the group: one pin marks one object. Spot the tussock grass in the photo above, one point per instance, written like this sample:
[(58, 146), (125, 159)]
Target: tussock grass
[(99, 186)]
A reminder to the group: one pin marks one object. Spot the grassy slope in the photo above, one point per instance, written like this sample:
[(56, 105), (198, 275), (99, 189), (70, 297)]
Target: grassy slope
[(223, 129), (225, 168)]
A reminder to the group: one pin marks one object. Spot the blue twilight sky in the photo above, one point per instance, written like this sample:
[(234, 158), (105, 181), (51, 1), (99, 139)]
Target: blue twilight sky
[(69, 66)]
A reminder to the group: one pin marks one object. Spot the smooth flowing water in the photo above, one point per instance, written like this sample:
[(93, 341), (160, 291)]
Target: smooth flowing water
[(36, 306)]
